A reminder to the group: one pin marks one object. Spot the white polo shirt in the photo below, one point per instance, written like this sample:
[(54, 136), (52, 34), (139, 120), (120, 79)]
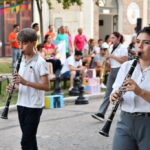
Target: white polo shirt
[(133, 103), (120, 51), (32, 72), (70, 61)]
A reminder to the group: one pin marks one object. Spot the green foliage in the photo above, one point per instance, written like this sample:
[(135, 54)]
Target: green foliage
[(66, 3), (5, 68)]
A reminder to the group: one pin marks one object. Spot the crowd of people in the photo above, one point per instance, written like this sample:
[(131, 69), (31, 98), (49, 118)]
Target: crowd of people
[(61, 54)]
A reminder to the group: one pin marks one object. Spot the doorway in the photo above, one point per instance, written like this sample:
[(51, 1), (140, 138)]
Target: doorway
[(107, 24)]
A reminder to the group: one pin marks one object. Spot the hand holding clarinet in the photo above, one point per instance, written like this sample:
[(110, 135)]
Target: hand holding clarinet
[(17, 79), (128, 85), (10, 90)]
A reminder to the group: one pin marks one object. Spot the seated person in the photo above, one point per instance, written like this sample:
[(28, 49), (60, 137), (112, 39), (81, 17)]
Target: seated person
[(101, 64), (89, 52), (41, 52), (51, 54), (72, 66)]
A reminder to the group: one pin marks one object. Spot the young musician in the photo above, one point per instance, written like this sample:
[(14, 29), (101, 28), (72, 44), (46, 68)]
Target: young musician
[(133, 127), (118, 54), (32, 81)]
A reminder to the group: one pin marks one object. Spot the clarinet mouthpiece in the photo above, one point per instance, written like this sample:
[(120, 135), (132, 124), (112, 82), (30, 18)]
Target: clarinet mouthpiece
[(139, 54)]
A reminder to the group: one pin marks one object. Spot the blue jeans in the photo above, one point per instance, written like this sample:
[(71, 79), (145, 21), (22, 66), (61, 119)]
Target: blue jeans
[(29, 119), (15, 56), (67, 74)]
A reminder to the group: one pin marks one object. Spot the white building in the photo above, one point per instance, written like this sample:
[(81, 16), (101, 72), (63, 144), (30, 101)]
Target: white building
[(111, 15), (74, 17)]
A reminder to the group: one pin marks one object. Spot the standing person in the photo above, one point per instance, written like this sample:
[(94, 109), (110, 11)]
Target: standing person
[(131, 48), (69, 40), (107, 40), (35, 26), (118, 54), (51, 32), (132, 132), (80, 40), (31, 81), (62, 36), (14, 44)]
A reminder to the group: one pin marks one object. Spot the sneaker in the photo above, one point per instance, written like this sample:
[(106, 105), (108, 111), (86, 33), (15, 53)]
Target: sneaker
[(98, 116), (103, 86), (52, 76)]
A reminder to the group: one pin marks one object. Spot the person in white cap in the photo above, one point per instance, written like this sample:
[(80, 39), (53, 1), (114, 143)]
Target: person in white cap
[(100, 63)]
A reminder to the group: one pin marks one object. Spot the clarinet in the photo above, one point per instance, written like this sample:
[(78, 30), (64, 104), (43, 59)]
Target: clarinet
[(4, 114), (105, 130)]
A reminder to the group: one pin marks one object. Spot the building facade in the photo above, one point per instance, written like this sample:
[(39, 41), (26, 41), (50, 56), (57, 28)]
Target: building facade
[(123, 16), (96, 20)]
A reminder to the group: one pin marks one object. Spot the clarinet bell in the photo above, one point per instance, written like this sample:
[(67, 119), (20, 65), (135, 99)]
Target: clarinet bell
[(5, 114), (105, 130)]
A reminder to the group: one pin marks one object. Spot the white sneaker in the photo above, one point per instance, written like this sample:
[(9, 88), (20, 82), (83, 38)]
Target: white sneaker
[(52, 76), (103, 86)]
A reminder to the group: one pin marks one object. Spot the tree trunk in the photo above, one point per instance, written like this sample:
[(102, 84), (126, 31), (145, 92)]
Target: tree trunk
[(39, 6)]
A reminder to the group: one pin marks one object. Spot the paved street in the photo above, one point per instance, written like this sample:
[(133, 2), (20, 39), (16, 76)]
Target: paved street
[(69, 128)]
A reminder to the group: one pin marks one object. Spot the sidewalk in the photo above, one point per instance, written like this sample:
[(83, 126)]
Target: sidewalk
[(67, 100)]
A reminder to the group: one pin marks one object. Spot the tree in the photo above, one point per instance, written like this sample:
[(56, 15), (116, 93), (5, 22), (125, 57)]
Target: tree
[(65, 3)]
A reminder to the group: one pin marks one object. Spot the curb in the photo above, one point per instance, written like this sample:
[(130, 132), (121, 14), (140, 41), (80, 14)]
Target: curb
[(67, 100), (71, 100)]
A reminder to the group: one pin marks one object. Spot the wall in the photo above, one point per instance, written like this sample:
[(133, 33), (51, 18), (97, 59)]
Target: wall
[(125, 26), (85, 16)]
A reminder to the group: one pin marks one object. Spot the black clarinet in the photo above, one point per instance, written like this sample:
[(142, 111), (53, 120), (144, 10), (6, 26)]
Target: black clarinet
[(4, 114), (105, 130)]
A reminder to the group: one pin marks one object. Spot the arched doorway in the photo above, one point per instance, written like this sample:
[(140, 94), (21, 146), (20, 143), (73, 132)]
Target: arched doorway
[(108, 17)]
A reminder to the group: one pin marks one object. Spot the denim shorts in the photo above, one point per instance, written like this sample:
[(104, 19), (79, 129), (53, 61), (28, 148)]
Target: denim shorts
[(67, 74)]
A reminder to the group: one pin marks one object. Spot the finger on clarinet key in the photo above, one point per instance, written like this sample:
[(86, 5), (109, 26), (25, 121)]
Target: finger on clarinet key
[(9, 88)]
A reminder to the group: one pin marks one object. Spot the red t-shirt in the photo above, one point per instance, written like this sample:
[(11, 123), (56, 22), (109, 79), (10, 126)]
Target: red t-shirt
[(50, 48), (80, 41)]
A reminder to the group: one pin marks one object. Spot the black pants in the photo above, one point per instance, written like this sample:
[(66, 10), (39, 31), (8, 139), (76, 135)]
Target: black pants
[(56, 64), (29, 119)]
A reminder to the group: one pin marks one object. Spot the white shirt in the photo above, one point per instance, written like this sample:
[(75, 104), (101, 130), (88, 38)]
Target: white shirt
[(91, 51), (70, 61), (120, 51), (32, 72), (133, 103)]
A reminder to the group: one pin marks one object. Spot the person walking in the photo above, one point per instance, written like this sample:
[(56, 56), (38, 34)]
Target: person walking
[(118, 54), (132, 131), (31, 81)]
